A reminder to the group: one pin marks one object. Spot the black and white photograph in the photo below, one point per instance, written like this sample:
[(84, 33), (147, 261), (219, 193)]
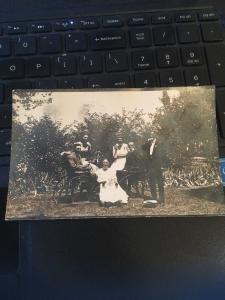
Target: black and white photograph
[(114, 153)]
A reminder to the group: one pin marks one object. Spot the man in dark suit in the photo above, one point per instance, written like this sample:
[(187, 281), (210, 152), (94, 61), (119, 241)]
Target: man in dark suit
[(154, 169)]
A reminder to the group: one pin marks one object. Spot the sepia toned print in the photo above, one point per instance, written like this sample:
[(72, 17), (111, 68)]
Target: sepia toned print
[(114, 153)]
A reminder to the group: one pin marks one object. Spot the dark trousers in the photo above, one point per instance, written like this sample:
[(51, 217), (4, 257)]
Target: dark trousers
[(156, 181)]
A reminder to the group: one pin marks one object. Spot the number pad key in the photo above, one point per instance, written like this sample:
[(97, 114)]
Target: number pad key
[(142, 60), (197, 77), (145, 79), (171, 78), (167, 57), (192, 56)]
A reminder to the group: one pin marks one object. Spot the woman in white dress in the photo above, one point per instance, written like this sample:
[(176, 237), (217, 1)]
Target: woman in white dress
[(110, 190), (120, 151)]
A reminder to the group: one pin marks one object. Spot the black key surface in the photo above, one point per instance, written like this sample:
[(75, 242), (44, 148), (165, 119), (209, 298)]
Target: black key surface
[(24, 45), (65, 64), (45, 84), (4, 161), (164, 35), (143, 60), (197, 76), (140, 37), (188, 33), (12, 68), (70, 83), (145, 79), (90, 63), (192, 56), (116, 61), (208, 16), (112, 21), (5, 141), (216, 62), (1, 93), (38, 67), (63, 25), (5, 116), (40, 27), (184, 17), (161, 19), (220, 105), (171, 78), (108, 39), (50, 43), (89, 22), (212, 31), (167, 57), (15, 85), (138, 20), (17, 28), (75, 42), (5, 49), (109, 81)]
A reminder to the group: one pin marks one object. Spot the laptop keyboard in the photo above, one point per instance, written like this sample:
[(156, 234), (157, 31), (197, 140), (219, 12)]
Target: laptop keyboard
[(155, 49)]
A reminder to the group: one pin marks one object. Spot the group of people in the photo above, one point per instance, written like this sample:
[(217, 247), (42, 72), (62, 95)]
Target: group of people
[(125, 159)]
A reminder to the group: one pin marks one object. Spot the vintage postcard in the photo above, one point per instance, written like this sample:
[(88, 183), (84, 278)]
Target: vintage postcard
[(114, 153)]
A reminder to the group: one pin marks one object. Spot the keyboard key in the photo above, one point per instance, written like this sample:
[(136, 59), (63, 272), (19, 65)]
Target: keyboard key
[(208, 16), (112, 21), (65, 64), (5, 116), (161, 19), (185, 17), (38, 67), (5, 46), (212, 32), (142, 60), (220, 103), (89, 23), (40, 27), (167, 57), (108, 39), (45, 84), (216, 62), (16, 28), (188, 33), (71, 83), (90, 63), (65, 25), (197, 76), (15, 85), (164, 35), (171, 78), (145, 79), (50, 43), (12, 68), (5, 141), (116, 61), (109, 81), (138, 20), (25, 45), (1, 93), (192, 56), (75, 42), (140, 37)]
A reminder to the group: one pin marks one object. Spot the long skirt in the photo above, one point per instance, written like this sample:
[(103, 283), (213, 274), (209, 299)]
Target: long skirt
[(118, 164), (111, 193)]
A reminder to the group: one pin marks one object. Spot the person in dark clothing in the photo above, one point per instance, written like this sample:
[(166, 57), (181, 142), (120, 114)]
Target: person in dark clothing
[(132, 167), (154, 169)]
